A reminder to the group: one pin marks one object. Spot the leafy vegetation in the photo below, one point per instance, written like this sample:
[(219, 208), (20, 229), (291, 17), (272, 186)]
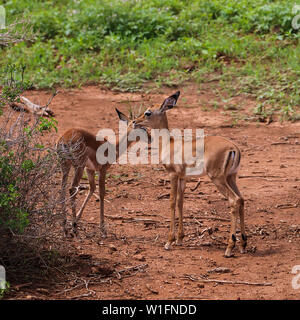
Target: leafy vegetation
[(27, 166), (250, 44), (29, 192)]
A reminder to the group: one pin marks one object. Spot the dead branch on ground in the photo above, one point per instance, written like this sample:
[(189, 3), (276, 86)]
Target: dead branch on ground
[(26, 105)]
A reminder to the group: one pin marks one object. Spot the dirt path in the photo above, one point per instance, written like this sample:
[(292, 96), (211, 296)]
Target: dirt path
[(138, 221)]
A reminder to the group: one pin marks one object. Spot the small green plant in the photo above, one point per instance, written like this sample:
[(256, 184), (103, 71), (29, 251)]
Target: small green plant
[(287, 113), (262, 112), (5, 290), (12, 85), (216, 105), (46, 125)]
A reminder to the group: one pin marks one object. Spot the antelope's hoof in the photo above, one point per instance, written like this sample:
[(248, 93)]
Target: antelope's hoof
[(179, 242), (228, 253), (167, 246), (242, 250), (103, 233)]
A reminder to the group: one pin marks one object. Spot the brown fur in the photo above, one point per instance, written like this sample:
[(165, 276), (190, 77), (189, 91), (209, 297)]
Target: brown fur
[(218, 165), (77, 148)]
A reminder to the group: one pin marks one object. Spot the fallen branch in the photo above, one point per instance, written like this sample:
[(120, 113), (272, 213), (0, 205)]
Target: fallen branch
[(278, 143), (163, 196), (144, 265), (125, 181), (286, 206), (37, 109), (258, 176), (131, 219), (28, 106), (23, 285), (197, 185), (84, 283), (228, 281), (84, 295), (213, 218), (135, 268)]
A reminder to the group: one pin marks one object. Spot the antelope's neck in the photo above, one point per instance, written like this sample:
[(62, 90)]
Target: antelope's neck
[(123, 144), (164, 124)]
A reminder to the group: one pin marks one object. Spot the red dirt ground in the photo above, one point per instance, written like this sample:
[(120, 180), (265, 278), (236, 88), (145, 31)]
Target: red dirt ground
[(137, 220)]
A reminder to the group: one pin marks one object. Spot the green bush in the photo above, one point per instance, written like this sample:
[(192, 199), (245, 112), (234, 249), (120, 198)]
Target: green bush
[(27, 166)]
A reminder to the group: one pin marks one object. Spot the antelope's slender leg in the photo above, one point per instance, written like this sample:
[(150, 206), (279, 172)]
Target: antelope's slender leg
[(173, 196), (180, 199), (243, 231), (102, 177), (91, 177), (65, 167), (232, 182), (235, 202), (73, 193)]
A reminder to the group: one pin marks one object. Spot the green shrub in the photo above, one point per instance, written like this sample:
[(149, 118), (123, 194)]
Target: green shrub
[(27, 166)]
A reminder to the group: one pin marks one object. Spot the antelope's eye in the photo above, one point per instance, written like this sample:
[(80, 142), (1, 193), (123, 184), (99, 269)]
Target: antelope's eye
[(148, 113)]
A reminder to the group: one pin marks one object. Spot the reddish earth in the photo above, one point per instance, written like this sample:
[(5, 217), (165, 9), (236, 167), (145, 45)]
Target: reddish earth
[(137, 221)]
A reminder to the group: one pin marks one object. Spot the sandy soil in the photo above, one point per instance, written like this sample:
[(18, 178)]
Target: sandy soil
[(137, 219)]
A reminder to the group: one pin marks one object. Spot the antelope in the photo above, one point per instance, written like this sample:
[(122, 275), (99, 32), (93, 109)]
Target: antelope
[(221, 164), (77, 148)]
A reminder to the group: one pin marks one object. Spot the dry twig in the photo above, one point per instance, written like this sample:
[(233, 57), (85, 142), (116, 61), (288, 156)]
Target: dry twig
[(228, 281)]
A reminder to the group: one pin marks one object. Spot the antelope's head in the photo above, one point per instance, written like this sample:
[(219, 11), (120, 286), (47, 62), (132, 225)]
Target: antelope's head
[(155, 117)]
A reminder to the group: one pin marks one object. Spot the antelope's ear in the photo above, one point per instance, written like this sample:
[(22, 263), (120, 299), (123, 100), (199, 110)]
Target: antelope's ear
[(170, 102), (122, 116)]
